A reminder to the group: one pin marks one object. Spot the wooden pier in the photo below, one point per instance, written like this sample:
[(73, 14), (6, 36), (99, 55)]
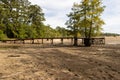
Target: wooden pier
[(61, 40)]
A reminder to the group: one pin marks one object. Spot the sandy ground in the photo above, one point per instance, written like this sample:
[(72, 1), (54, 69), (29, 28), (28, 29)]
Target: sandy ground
[(63, 63), (60, 63), (112, 40)]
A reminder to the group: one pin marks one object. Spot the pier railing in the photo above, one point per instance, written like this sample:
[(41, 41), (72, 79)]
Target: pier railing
[(55, 40)]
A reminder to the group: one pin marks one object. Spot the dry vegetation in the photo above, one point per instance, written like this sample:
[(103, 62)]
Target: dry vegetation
[(61, 63)]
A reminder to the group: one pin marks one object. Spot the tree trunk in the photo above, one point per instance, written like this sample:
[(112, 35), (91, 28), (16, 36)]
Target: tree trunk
[(75, 41), (87, 42)]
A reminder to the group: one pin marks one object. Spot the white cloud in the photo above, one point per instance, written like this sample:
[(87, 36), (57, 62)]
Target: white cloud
[(112, 24), (56, 10), (111, 16), (54, 4)]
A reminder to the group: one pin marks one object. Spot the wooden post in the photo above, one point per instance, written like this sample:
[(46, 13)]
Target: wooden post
[(32, 41), (14, 41), (42, 40), (61, 40), (72, 41), (52, 41), (87, 42), (82, 40), (75, 41), (23, 41), (104, 40)]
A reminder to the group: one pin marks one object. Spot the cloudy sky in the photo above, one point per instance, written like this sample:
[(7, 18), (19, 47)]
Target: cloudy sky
[(56, 10)]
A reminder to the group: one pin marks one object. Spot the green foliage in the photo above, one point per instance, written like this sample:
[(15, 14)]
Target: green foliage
[(2, 35), (62, 32), (85, 18), (31, 32), (74, 21), (110, 34), (47, 32), (22, 32), (20, 19)]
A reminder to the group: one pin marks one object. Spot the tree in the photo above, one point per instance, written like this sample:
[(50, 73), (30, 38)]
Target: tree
[(86, 16), (92, 10), (14, 14), (49, 32), (62, 31), (35, 17), (2, 35), (74, 22)]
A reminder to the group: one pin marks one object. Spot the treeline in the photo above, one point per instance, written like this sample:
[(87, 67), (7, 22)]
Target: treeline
[(110, 34), (20, 19)]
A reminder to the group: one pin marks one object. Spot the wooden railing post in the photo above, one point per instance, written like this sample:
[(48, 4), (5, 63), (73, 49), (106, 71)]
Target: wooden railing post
[(42, 40), (32, 41), (52, 41), (61, 40), (23, 41), (72, 41)]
